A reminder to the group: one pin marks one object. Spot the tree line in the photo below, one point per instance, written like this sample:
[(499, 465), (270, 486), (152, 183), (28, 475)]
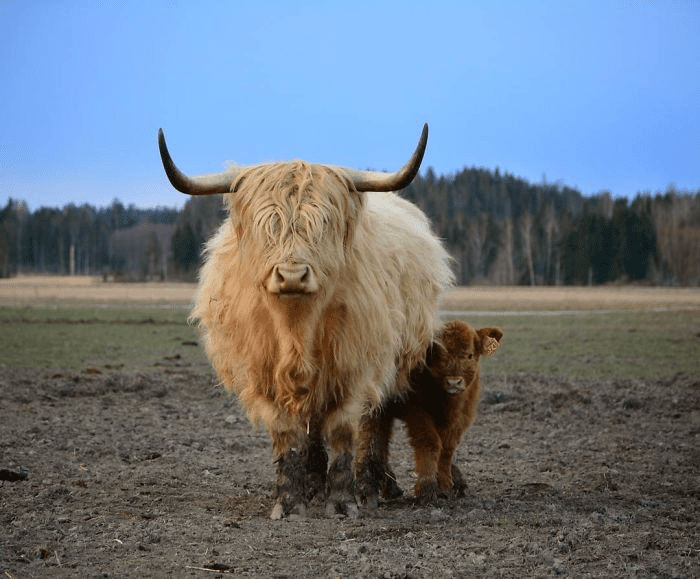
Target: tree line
[(500, 230), (504, 230)]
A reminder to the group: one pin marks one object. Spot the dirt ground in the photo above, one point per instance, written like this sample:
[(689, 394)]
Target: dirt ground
[(160, 475)]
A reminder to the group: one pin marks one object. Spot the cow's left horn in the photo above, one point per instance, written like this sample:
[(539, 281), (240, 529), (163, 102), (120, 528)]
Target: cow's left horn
[(202, 185), (373, 181)]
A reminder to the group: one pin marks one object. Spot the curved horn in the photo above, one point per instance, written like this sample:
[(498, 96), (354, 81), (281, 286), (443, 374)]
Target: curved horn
[(202, 185), (373, 181)]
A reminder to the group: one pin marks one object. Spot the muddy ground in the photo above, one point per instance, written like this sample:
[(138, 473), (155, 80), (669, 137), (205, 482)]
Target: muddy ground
[(160, 475)]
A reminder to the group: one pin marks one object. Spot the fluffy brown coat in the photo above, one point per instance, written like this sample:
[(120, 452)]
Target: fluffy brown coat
[(441, 406)]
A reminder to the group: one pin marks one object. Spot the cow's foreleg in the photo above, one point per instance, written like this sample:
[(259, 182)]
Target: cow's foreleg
[(341, 498), (290, 495)]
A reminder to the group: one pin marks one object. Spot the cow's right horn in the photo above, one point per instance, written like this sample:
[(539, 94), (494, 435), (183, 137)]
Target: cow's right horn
[(201, 185)]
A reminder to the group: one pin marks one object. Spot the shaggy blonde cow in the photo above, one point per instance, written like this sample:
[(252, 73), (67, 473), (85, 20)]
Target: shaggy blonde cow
[(317, 295)]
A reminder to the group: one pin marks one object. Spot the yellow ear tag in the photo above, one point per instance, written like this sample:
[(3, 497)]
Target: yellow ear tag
[(490, 346)]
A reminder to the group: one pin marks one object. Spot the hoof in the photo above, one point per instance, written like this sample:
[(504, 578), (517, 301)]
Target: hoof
[(297, 512), (371, 502), (351, 510), (427, 493), (348, 509), (277, 512), (315, 488), (459, 491)]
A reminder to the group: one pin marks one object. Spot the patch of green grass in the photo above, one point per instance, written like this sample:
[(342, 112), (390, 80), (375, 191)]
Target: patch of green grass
[(77, 338), (596, 345), (589, 345)]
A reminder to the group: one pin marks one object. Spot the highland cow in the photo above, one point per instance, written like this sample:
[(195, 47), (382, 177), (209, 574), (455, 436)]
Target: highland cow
[(439, 408), (317, 295)]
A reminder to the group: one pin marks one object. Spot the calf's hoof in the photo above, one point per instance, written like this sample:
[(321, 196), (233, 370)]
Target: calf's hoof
[(459, 490), (459, 484), (427, 493)]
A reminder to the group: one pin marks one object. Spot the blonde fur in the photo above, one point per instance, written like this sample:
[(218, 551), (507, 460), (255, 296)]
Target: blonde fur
[(338, 353)]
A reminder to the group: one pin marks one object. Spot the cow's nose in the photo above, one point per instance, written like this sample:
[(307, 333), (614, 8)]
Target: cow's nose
[(455, 384), (292, 278)]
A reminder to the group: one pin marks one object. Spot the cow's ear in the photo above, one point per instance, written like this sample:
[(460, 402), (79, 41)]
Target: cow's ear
[(490, 339)]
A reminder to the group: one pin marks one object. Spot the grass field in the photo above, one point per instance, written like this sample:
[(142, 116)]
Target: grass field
[(82, 323), (97, 339)]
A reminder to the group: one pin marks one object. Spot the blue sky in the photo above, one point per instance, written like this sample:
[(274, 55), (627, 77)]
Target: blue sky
[(599, 95)]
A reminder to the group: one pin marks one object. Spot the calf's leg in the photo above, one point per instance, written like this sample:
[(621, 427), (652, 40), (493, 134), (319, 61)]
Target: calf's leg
[(459, 483), (444, 470), (427, 446)]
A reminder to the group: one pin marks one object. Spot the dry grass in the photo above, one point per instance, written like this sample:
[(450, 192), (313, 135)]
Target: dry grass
[(46, 290), (571, 298)]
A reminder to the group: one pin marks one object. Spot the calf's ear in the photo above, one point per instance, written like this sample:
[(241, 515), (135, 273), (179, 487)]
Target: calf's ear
[(490, 339)]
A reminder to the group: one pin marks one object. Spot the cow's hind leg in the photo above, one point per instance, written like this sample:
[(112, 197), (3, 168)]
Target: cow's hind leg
[(341, 497), (315, 465), (372, 466), (290, 493), (390, 486)]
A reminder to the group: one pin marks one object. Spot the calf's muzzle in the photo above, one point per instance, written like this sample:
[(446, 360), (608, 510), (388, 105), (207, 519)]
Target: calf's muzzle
[(455, 384)]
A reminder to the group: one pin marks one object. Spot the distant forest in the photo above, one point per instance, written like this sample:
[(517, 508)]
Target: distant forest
[(500, 229)]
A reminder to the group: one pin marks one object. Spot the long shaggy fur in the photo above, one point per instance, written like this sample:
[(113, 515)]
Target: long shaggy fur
[(440, 407), (337, 353)]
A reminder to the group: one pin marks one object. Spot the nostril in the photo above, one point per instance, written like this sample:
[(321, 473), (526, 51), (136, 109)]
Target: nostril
[(278, 275)]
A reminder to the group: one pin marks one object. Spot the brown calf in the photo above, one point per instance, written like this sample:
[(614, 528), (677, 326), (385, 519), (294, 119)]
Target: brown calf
[(440, 407)]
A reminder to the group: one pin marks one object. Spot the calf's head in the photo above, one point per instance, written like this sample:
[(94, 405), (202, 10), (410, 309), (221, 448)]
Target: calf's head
[(453, 359)]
